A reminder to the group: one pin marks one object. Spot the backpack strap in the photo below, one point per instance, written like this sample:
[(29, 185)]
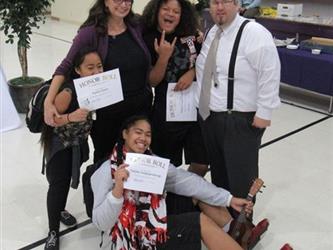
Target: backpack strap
[(231, 73)]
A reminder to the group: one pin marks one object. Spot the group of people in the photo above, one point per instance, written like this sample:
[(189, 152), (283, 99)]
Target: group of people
[(162, 46)]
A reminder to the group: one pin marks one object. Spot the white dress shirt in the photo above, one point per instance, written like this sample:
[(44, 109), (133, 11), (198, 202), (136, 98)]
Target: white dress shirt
[(257, 70)]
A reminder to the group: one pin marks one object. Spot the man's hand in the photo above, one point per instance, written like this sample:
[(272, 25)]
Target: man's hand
[(260, 123)]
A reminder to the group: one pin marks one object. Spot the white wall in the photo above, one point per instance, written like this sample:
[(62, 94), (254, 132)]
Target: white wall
[(138, 5), (73, 11), (68, 10)]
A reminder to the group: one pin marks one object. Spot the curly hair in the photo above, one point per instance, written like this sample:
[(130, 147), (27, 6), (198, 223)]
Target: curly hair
[(188, 24), (99, 14)]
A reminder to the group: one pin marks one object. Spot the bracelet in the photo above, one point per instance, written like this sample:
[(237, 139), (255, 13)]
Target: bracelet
[(68, 118)]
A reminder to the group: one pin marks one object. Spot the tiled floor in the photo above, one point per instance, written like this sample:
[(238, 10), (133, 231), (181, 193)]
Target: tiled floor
[(296, 164)]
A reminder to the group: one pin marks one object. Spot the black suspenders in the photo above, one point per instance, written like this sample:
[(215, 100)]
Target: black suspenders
[(231, 72)]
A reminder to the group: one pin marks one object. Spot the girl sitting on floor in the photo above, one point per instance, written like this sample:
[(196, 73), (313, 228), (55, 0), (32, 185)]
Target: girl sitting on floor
[(138, 220)]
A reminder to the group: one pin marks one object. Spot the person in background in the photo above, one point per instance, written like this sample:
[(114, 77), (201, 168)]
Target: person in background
[(170, 30), (249, 8), (113, 28), (233, 125), (66, 146), (134, 220)]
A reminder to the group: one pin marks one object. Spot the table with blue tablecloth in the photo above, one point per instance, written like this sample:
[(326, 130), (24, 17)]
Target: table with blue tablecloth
[(303, 69)]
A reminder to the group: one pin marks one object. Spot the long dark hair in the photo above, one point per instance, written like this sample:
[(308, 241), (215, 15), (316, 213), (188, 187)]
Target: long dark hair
[(127, 124), (47, 131), (79, 58), (98, 16), (187, 26)]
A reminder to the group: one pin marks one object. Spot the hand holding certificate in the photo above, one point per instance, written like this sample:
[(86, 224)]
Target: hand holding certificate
[(100, 90), (146, 173)]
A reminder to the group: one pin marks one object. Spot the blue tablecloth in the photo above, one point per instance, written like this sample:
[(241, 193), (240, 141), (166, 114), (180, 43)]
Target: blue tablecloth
[(302, 69)]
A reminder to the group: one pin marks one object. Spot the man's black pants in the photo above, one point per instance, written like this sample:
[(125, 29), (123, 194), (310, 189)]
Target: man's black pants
[(233, 146)]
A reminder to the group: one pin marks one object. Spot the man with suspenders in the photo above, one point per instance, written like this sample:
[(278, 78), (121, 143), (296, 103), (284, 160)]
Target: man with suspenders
[(238, 74)]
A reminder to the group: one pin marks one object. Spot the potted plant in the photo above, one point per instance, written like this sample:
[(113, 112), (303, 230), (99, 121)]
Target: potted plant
[(17, 19)]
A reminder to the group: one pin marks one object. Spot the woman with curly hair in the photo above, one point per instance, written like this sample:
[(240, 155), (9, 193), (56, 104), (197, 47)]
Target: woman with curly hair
[(170, 33)]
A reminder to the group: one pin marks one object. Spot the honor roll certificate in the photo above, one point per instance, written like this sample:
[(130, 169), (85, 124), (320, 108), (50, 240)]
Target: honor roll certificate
[(100, 90), (180, 104), (146, 173)]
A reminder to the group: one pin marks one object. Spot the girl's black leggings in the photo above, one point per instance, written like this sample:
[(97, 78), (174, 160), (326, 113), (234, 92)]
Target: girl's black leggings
[(58, 174)]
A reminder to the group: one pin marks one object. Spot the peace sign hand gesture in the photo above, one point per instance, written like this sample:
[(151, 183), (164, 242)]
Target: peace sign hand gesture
[(164, 49)]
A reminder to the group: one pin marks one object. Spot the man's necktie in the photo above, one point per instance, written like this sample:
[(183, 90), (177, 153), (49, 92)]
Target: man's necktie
[(208, 76)]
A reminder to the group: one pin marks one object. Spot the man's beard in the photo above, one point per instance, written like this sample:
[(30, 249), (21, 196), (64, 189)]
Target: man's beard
[(220, 21)]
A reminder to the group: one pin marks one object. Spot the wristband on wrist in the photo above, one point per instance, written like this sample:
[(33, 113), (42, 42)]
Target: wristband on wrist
[(68, 118)]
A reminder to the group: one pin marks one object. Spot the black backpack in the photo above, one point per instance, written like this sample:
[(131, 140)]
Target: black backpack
[(35, 113), (88, 195)]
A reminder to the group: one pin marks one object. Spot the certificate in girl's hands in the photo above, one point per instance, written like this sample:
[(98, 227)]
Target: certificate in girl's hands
[(180, 104), (100, 90), (146, 173)]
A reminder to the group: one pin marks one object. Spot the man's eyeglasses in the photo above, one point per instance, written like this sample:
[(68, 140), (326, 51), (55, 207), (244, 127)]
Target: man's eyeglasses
[(119, 2), (223, 2)]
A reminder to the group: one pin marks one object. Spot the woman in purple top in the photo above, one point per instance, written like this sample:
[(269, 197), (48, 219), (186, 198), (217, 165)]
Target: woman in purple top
[(112, 28)]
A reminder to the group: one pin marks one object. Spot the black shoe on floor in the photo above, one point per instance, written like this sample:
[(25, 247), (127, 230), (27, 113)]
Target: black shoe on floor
[(67, 219), (52, 241)]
